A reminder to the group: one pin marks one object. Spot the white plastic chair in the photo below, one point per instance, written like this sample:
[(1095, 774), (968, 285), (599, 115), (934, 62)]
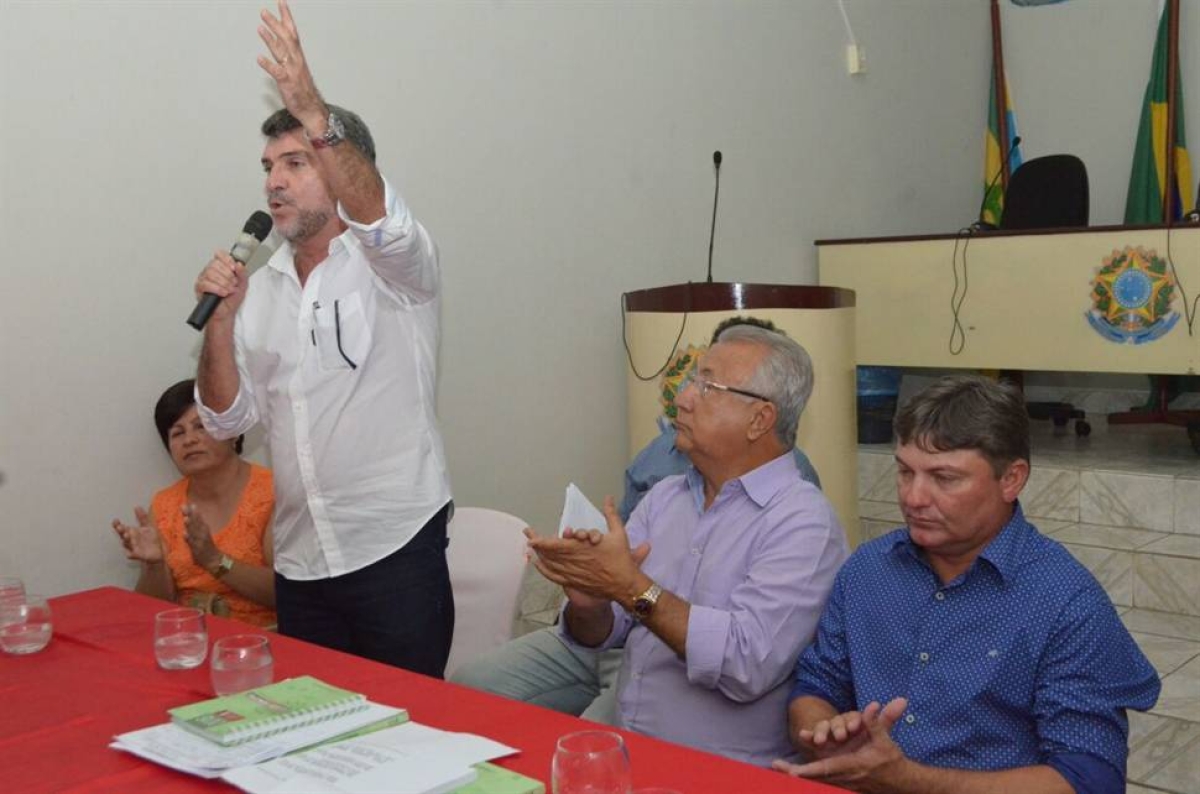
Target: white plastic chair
[(487, 565)]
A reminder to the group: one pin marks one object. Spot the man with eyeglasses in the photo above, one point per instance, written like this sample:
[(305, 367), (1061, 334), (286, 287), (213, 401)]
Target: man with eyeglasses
[(660, 458), (716, 583), (333, 347)]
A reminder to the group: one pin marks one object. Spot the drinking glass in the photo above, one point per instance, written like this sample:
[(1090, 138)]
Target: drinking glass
[(241, 662), (591, 762), (25, 624), (180, 639), (11, 589)]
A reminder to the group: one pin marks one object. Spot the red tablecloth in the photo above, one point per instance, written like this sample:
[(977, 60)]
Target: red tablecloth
[(59, 709)]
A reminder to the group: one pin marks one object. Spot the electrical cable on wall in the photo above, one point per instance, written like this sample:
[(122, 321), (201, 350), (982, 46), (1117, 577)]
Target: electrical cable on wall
[(958, 336), (1189, 311), (853, 42)]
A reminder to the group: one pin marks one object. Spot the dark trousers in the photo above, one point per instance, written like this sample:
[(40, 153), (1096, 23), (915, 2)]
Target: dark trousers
[(399, 610)]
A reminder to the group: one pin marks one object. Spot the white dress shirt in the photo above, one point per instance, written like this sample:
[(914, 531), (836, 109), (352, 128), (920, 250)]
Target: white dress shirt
[(341, 372)]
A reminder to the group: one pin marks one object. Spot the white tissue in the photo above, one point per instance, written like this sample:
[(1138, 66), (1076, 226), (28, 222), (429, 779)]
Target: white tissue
[(580, 513)]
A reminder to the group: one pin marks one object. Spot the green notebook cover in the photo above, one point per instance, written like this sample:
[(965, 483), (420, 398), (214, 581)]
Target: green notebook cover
[(266, 710), (497, 780)]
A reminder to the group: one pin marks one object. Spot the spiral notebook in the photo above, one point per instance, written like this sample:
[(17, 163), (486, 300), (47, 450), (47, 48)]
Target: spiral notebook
[(267, 710)]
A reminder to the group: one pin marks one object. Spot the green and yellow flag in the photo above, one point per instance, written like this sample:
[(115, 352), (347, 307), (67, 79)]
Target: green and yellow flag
[(994, 153), (1147, 182)]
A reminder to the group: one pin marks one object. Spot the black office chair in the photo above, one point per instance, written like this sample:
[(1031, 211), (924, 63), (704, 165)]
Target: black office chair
[(1046, 193)]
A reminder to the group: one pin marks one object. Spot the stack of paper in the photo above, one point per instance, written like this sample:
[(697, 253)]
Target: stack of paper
[(302, 735), (374, 751), (172, 746), (412, 758)]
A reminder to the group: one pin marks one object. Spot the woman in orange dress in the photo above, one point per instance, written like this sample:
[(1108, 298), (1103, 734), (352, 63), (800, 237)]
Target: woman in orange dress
[(182, 558)]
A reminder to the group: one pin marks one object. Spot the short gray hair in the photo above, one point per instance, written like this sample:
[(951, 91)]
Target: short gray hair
[(968, 412), (282, 121), (785, 375)]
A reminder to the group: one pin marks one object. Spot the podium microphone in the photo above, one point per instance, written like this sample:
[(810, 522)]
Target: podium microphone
[(253, 233), (712, 231), (980, 225)]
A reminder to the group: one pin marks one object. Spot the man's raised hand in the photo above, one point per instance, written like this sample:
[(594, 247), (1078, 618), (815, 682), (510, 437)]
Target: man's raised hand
[(288, 67)]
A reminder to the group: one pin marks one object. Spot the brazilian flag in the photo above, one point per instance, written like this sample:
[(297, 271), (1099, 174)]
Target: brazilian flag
[(1147, 182), (993, 158)]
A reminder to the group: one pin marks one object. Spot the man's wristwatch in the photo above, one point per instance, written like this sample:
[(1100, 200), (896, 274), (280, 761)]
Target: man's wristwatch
[(643, 605), (335, 133), (223, 567)]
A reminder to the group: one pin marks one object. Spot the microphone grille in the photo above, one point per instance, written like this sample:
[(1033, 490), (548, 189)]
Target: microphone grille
[(259, 225)]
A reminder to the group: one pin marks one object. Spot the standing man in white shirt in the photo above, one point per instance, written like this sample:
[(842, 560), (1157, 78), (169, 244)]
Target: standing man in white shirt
[(333, 346)]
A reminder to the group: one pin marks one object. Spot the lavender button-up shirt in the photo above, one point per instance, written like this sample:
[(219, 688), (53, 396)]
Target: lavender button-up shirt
[(757, 567)]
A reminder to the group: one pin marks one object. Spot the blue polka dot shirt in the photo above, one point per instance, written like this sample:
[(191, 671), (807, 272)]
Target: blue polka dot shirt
[(1019, 660)]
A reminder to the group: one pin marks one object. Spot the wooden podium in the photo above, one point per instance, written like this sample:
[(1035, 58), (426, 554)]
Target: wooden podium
[(665, 325)]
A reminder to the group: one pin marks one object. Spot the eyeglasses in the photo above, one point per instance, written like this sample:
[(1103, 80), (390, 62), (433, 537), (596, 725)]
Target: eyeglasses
[(704, 386)]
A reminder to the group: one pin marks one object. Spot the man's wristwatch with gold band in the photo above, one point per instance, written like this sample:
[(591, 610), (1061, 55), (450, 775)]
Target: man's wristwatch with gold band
[(643, 605), (223, 567)]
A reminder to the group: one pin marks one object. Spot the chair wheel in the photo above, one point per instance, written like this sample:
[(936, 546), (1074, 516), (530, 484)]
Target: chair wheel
[(1082, 429)]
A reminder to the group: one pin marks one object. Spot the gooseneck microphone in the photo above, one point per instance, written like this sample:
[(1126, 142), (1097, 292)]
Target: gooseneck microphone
[(253, 233), (980, 224), (712, 231)]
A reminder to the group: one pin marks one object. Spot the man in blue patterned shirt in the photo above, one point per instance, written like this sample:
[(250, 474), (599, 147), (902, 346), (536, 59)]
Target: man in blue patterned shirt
[(1000, 659)]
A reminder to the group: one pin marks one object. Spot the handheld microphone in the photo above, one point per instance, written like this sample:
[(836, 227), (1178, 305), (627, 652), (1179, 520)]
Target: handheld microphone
[(980, 224), (712, 231), (253, 233)]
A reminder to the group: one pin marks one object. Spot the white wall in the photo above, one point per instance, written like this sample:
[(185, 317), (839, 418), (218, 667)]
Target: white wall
[(559, 151)]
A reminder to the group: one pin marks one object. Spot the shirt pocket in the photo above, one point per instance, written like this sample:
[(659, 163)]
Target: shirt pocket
[(342, 333)]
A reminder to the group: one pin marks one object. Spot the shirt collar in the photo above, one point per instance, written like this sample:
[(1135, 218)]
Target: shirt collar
[(761, 484), (284, 257), (1004, 553), (1005, 550)]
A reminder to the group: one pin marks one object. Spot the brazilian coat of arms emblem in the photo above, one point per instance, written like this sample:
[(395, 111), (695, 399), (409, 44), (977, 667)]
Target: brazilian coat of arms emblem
[(680, 367), (1131, 297)]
